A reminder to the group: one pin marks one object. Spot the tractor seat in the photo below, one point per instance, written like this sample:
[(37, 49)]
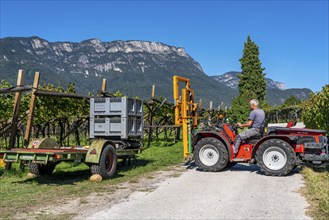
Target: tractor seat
[(254, 139)]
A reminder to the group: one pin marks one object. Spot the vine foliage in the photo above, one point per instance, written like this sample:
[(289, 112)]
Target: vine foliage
[(316, 110)]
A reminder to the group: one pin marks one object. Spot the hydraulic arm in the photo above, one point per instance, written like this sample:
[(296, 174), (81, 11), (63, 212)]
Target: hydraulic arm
[(185, 111)]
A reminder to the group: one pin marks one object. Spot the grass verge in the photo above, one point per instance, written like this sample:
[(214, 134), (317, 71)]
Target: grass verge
[(18, 194), (317, 193)]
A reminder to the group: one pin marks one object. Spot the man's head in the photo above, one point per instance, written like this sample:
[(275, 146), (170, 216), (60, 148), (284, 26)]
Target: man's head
[(253, 104)]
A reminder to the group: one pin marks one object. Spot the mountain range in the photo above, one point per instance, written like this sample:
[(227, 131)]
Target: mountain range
[(275, 91), (231, 79), (129, 66)]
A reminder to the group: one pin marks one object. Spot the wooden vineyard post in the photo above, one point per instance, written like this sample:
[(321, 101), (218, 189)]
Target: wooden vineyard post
[(31, 109), (153, 91), (17, 103), (177, 134), (210, 105), (104, 85), (151, 109)]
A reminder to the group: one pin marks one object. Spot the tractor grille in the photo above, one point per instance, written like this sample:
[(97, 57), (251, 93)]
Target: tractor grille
[(314, 145)]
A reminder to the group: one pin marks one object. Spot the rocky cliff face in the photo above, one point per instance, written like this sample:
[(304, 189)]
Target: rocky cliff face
[(91, 57), (129, 66)]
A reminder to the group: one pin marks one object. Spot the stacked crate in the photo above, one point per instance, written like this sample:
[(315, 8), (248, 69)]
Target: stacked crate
[(116, 117)]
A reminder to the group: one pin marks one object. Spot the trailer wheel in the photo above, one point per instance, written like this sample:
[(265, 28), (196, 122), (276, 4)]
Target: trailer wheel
[(275, 157), (108, 163), (210, 154), (41, 169)]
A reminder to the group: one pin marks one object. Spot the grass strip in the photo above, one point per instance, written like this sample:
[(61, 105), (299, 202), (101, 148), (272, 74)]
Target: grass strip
[(317, 193), (18, 194)]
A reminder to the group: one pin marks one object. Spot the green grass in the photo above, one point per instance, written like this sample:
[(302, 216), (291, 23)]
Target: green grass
[(18, 194), (317, 193)]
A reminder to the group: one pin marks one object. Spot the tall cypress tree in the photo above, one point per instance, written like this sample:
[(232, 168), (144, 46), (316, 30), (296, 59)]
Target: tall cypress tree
[(252, 84), (252, 79)]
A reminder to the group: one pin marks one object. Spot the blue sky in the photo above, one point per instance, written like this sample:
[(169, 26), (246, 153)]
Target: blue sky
[(292, 35)]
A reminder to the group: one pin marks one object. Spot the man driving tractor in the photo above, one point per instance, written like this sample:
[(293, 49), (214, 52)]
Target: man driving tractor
[(255, 122)]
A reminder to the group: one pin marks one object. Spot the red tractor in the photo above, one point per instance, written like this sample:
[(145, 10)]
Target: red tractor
[(276, 152)]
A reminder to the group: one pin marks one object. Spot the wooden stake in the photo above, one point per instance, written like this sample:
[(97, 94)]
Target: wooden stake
[(200, 103), (17, 103), (14, 121), (153, 91), (31, 110), (104, 85), (151, 124), (210, 105)]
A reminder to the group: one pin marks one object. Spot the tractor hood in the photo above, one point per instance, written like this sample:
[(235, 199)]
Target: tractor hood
[(291, 131)]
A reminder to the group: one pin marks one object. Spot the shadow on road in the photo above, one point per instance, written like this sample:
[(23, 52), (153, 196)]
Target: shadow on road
[(240, 167)]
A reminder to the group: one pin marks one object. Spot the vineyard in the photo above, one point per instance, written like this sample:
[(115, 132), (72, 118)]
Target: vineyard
[(58, 112), (62, 114)]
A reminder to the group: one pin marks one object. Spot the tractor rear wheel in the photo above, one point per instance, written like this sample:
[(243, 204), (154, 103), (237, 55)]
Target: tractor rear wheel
[(275, 157), (210, 154), (107, 164)]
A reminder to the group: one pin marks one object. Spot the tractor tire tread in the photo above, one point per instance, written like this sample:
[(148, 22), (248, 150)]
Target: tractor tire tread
[(223, 153), (286, 147)]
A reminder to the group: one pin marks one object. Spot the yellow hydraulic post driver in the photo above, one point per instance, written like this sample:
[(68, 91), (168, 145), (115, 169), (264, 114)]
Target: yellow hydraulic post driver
[(185, 111)]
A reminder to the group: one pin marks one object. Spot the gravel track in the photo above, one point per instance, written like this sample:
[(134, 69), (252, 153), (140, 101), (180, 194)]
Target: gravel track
[(240, 192)]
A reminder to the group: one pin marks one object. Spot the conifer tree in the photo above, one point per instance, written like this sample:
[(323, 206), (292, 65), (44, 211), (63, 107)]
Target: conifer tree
[(252, 79), (252, 84)]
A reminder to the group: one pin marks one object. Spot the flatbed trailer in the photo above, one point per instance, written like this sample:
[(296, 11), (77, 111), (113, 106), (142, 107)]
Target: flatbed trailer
[(116, 131), (43, 155)]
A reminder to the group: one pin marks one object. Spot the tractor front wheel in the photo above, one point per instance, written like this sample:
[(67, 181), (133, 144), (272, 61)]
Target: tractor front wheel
[(275, 157), (210, 154)]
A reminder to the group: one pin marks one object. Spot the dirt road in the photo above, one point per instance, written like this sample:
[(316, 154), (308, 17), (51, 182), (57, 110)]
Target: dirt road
[(238, 193)]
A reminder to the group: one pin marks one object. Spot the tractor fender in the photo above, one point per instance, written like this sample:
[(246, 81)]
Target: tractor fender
[(203, 134), (262, 140), (95, 150)]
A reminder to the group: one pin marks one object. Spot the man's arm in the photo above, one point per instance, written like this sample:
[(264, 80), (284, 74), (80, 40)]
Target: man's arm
[(248, 124), (251, 119)]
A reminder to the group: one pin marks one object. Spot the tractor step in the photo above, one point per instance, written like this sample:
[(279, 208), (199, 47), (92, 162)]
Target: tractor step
[(238, 160)]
